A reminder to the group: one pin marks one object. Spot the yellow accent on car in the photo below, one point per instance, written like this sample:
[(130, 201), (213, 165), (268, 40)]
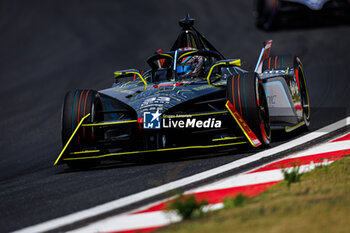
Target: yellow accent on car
[(126, 83), (84, 152), (116, 74), (226, 138), (233, 63), (175, 98), (167, 55), (291, 128), (181, 91), (110, 123), (186, 54), (240, 126), (155, 150), (70, 139)]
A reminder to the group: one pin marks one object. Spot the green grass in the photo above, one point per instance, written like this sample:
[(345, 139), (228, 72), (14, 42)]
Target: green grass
[(187, 206), (237, 201), (319, 203), (292, 176)]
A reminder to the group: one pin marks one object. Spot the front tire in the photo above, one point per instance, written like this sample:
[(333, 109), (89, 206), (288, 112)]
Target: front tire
[(76, 105), (246, 93)]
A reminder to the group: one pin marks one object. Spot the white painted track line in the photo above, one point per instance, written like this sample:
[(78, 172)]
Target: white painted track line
[(325, 148), (125, 201), (127, 222), (139, 221), (242, 179), (252, 178)]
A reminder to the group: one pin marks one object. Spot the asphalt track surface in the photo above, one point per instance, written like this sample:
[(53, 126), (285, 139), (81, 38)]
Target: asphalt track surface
[(50, 47)]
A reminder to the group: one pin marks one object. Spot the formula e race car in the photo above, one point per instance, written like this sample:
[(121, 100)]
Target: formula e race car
[(191, 98), (268, 13)]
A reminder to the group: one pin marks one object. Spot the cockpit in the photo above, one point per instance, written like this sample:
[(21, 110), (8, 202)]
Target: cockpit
[(183, 63), (191, 57)]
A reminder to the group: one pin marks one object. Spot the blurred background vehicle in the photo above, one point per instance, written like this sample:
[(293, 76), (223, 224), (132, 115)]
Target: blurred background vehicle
[(271, 14)]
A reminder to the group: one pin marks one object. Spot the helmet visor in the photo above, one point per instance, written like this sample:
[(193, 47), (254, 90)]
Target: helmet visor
[(181, 69)]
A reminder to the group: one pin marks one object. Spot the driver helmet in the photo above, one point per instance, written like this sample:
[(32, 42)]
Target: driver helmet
[(190, 66)]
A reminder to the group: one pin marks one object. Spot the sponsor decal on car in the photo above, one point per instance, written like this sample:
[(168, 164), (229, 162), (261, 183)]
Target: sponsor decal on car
[(191, 123), (152, 120)]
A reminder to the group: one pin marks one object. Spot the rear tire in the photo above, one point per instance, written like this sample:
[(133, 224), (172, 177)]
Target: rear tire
[(76, 105), (246, 93)]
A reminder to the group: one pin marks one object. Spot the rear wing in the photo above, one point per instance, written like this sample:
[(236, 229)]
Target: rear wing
[(265, 52)]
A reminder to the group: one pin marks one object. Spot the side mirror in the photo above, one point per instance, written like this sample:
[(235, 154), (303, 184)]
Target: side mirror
[(128, 74), (223, 63)]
